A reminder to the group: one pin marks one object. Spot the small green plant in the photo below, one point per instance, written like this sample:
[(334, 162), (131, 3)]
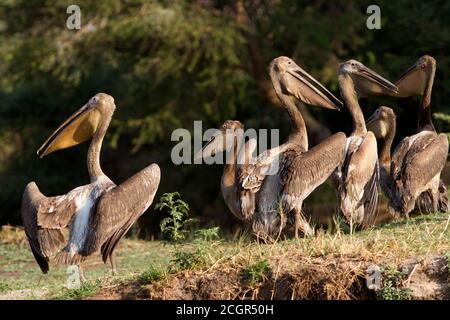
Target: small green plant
[(3, 287), (174, 227), (86, 289), (152, 274), (185, 260), (210, 234), (257, 272), (392, 285), (204, 241)]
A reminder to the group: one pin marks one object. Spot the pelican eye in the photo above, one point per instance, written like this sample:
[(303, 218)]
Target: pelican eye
[(93, 100)]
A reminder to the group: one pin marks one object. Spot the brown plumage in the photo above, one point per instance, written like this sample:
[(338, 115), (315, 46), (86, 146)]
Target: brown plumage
[(280, 193), (97, 214), (427, 148), (418, 160), (230, 137), (357, 180)]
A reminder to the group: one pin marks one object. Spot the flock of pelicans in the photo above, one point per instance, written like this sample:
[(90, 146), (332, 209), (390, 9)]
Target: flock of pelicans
[(100, 213)]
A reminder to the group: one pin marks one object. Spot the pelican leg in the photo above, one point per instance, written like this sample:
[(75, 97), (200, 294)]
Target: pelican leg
[(81, 272), (435, 200), (300, 223), (112, 260)]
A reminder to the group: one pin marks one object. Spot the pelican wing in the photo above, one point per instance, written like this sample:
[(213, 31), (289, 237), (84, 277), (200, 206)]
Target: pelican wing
[(399, 154), (407, 148), (246, 197), (44, 218), (361, 176), (119, 208), (252, 176), (422, 163), (303, 172)]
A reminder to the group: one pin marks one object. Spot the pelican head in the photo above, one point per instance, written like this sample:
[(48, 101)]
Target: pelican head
[(222, 140), (289, 80), (81, 126), (413, 81), (381, 121), (366, 81)]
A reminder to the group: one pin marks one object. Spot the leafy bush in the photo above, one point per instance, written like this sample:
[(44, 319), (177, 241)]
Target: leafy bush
[(174, 227)]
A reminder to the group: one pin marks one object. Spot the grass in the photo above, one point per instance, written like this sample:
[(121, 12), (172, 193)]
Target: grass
[(151, 261), (19, 271), (257, 272), (150, 275), (87, 289)]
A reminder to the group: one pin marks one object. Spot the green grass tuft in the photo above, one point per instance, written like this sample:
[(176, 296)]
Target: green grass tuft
[(257, 272), (3, 287), (186, 260), (152, 274), (86, 290)]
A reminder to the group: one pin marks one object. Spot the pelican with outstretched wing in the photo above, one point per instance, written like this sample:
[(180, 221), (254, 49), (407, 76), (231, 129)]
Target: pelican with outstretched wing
[(97, 214)]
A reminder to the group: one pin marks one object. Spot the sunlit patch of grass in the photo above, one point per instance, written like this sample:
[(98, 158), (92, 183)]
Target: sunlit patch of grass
[(87, 289), (150, 275), (257, 272), (3, 287), (393, 242)]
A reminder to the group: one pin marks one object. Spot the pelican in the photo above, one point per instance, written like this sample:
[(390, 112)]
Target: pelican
[(383, 124), (280, 195), (418, 160), (358, 178), (97, 214), (230, 137)]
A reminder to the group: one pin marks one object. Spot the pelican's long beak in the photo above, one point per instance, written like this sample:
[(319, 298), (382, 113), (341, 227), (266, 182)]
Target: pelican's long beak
[(311, 91), (76, 129), (412, 81), (378, 83), (213, 146), (415, 67), (372, 118)]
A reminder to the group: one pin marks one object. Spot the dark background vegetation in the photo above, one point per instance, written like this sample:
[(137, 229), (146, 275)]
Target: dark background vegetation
[(168, 63)]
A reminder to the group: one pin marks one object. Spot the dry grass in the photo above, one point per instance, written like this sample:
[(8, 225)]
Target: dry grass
[(331, 265), (12, 235), (327, 266)]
